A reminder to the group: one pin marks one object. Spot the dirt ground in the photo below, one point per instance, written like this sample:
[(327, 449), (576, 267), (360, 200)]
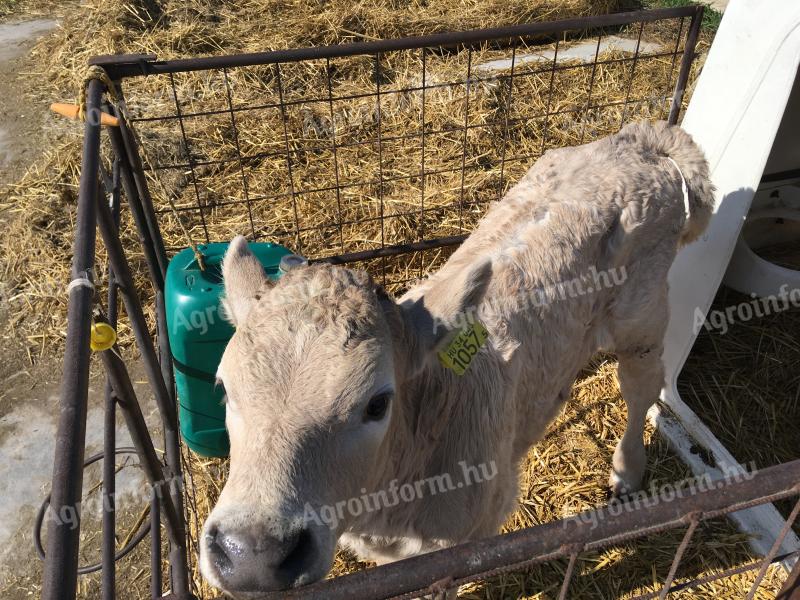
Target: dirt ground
[(25, 124), (28, 394)]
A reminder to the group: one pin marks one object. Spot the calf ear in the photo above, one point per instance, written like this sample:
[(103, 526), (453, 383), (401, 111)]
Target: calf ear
[(433, 319), (244, 280)]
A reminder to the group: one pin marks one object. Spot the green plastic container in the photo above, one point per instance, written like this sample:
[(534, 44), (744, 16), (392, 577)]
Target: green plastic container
[(198, 334)]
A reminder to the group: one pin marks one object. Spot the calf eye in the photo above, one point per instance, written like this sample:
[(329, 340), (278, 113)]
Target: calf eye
[(376, 409)]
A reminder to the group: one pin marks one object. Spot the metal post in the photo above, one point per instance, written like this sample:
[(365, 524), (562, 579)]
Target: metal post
[(686, 65), (135, 203), (166, 406), (140, 435), (61, 568), (146, 200), (155, 548), (110, 424), (116, 257), (171, 440)]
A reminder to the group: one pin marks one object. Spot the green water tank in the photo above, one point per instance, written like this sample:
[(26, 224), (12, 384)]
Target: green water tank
[(198, 334)]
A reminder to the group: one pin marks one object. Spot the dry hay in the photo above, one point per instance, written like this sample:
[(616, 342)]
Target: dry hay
[(744, 382), (568, 470)]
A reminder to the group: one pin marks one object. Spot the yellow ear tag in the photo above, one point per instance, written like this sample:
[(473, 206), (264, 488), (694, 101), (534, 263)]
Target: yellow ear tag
[(459, 353), (103, 337)]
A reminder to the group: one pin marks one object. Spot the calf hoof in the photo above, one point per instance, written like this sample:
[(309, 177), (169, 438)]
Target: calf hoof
[(621, 484)]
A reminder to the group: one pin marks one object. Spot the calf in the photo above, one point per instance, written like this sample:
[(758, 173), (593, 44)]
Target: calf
[(346, 427)]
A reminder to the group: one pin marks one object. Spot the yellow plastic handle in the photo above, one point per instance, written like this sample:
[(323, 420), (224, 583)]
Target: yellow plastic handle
[(103, 337)]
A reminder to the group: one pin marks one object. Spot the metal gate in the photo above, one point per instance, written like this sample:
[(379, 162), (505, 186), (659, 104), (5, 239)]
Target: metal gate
[(488, 75)]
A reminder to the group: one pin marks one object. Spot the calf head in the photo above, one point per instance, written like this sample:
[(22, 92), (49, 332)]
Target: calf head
[(311, 377)]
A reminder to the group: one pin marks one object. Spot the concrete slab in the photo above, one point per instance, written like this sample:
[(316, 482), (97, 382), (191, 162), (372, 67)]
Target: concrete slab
[(584, 51)]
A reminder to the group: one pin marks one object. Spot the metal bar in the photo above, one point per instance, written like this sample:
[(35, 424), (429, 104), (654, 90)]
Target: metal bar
[(686, 64), (505, 124), (288, 158), (155, 547), (380, 159), (685, 433), (239, 152), (110, 423), (131, 188), (422, 160), (774, 550), (673, 569), (464, 142), (116, 257), (109, 549), (630, 79), (179, 571), (473, 560), (61, 567), (716, 576), (444, 130), (140, 435), (549, 99), (573, 558), (165, 402), (380, 141), (781, 176), (143, 66), (123, 142), (587, 109), (433, 209), (790, 590), (672, 63), (335, 153), (141, 203), (342, 259)]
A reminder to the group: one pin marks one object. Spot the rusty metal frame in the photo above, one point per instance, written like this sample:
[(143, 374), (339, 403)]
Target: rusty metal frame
[(567, 538), (128, 177)]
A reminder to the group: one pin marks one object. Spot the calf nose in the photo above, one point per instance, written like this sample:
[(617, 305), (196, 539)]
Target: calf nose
[(248, 563)]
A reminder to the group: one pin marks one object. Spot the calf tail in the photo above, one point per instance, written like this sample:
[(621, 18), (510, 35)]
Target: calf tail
[(670, 141)]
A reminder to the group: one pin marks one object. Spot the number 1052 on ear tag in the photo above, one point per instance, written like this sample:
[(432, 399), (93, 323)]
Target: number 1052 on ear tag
[(459, 353)]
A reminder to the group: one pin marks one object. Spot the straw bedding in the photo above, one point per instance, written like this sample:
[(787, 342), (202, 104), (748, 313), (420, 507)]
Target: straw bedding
[(567, 471)]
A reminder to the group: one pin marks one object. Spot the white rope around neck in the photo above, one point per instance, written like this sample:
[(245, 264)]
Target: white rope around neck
[(684, 189)]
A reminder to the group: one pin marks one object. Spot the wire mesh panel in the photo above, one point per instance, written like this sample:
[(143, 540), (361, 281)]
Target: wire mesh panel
[(556, 549), (374, 151)]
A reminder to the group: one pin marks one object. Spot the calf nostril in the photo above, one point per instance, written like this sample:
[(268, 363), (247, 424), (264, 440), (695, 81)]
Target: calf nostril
[(234, 546), (217, 552), (297, 553)]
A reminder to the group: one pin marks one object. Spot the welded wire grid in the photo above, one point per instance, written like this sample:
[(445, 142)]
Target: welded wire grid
[(378, 156), (690, 523)]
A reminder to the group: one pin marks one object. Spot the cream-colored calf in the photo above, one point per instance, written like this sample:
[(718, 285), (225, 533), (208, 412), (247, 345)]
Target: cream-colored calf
[(345, 427)]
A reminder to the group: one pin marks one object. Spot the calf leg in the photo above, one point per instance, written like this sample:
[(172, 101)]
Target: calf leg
[(641, 374), (639, 323)]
